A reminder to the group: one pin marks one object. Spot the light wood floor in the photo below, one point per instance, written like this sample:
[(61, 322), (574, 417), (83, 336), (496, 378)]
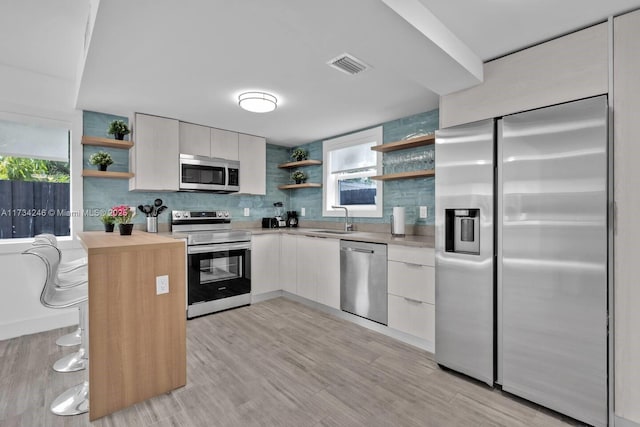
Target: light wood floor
[(276, 363)]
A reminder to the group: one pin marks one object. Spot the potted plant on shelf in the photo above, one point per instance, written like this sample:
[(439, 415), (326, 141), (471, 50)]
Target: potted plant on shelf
[(299, 177), (118, 128), (299, 154), (123, 215), (102, 159), (108, 220)]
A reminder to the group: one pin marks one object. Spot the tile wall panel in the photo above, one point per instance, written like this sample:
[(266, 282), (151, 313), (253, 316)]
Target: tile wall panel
[(103, 193), (410, 193)]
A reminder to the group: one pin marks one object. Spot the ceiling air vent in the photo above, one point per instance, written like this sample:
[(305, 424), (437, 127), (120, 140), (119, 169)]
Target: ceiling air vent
[(348, 64)]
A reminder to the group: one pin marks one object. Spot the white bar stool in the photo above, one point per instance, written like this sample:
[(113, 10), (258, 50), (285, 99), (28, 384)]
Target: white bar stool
[(75, 400), (71, 273)]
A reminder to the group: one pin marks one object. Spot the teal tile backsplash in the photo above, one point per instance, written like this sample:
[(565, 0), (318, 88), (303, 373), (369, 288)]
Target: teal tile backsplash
[(103, 193), (410, 193)]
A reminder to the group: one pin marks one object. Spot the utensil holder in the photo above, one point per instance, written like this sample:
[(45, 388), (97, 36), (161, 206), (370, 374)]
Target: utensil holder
[(152, 224)]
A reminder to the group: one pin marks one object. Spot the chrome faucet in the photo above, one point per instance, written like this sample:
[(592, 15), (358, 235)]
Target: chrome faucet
[(347, 226)]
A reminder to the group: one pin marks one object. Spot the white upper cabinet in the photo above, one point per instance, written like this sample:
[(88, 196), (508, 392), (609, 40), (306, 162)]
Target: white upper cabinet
[(253, 164), (224, 144), (209, 142), (195, 139), (154, 159)]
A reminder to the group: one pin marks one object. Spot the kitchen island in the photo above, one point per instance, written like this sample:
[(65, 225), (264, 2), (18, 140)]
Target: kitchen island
[(137, 333)]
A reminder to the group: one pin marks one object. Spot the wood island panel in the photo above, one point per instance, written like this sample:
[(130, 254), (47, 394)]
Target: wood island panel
[(137, 339)]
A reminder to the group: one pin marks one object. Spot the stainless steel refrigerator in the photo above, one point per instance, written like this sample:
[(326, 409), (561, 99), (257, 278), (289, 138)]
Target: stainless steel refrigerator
[(521, 255)]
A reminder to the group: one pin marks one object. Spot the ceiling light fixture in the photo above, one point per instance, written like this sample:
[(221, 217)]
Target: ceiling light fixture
[(257, 102)]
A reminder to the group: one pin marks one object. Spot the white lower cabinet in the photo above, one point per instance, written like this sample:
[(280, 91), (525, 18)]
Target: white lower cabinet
[(411, 291), (306, 267), (265, 263), (327, 261), (310, 267), (412, 316), (288, 263), (318, 270)]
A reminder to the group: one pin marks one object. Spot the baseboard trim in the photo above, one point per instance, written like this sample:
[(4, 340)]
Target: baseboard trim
[(265, 297), (623, 422), (30, 326)]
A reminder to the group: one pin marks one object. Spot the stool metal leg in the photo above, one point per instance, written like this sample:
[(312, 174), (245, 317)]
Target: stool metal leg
[(75, 361), (72, 362), (69, 340), (73, 401)]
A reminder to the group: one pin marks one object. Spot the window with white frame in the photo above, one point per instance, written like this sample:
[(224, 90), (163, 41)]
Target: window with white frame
[(34, 180), (349, 163)]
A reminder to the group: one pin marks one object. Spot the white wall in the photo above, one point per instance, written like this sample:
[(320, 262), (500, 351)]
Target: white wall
[(20, 310), (30, 97)]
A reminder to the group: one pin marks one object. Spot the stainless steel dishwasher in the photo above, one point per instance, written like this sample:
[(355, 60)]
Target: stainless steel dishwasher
[(363, 280)]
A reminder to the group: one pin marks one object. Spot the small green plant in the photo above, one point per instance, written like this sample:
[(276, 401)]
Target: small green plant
[(299, 176), (101, 158), (107, 219), (299, 154), (118, 128)]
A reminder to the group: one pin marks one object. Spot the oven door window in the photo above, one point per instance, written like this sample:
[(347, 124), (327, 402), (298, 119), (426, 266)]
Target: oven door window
[(199, 174), (216, 275)]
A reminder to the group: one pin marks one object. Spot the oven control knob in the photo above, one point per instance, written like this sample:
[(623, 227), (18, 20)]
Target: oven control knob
[(219, 214), (177, 214), (187, 214), (226, 214)]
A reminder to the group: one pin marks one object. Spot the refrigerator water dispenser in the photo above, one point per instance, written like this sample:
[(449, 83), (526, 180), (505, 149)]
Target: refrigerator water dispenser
[(462, 231)]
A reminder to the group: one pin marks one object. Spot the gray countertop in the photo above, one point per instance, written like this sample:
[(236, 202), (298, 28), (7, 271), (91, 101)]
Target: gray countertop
[(360, 236)]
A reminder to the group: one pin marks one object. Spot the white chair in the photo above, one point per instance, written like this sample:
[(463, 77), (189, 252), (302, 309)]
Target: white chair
[(75, 400)]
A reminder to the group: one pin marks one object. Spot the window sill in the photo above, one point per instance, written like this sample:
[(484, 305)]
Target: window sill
[(16, 246)]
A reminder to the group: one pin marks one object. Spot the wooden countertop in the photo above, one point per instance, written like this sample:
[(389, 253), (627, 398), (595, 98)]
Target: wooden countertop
[(99, 241)]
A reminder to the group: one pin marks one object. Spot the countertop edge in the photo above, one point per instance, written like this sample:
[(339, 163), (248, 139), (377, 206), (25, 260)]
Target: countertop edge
[(115, 242), (359, 236)]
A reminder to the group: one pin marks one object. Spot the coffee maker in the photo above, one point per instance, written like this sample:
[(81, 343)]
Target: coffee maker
[(292, 219)]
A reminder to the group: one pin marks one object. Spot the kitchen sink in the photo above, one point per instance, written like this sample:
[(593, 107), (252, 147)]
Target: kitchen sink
[(332, 231)]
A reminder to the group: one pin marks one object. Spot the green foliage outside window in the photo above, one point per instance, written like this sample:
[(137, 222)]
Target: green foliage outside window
[(26, 169)]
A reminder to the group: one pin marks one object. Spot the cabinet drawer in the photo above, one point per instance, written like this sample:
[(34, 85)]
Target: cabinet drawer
[(423, 256), (412, 281), (412, 317)]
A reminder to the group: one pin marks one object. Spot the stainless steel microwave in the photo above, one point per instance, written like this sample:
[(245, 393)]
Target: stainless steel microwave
[(198, 173)]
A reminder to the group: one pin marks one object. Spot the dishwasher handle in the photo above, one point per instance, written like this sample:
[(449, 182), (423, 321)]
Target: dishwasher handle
[(364, 251)]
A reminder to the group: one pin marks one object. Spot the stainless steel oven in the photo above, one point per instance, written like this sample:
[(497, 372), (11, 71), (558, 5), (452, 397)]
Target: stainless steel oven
[(218, 261), (199, 173)]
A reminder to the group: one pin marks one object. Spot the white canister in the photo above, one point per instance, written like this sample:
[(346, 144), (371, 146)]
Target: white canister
[(397, 221)]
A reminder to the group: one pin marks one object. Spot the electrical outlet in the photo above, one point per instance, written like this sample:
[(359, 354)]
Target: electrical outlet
[(303, 212), (162, 285), (247, 211), (424, 212)]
